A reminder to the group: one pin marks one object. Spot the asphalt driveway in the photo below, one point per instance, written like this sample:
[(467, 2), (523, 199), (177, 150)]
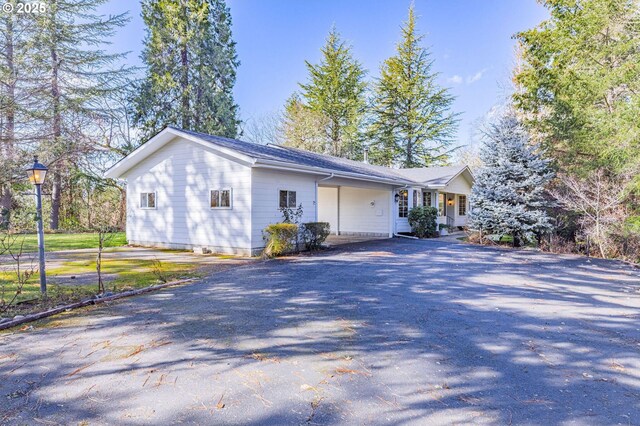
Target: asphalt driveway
[(394, 331)]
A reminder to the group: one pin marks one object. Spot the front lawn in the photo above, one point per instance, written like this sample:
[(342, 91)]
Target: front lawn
[(57, 242), (129, 274)]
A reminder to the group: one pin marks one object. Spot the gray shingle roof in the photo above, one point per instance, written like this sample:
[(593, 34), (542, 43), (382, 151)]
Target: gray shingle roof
[(298, 157), (294, 156), (432, 175)]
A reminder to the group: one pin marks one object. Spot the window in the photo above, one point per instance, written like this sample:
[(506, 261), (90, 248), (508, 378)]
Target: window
[(147, 200), (221, 198), (415, 198), (441, 204), (287, 199), (403, 203), (426, 199), (462, 205)]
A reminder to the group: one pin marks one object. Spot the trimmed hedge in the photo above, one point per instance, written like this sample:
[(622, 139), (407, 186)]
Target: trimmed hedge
[(314, 234), (280, 238), (423, 221)]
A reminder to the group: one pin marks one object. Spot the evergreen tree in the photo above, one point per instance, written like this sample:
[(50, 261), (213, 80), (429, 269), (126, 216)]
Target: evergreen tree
[(79, 75), (508, 195), (191, 68), (16, 44), (412, 123), (579, 84), (332, 103)]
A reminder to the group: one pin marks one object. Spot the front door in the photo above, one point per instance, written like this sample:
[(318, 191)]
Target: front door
[(402, 211)]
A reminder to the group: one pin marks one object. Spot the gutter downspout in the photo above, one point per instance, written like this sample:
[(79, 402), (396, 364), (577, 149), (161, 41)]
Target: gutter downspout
[(323, 179)]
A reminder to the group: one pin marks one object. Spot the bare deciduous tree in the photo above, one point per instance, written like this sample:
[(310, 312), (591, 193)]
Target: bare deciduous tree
[(599, 200)]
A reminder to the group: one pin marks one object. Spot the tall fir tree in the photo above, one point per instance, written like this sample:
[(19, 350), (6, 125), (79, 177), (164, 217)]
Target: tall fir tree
[(331, 104), (508, 197), (412, 124), (578, 84), (191, 68), (16, 68), (79, 75)]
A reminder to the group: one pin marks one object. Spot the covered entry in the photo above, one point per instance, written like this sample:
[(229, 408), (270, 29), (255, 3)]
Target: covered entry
[(354, 210)]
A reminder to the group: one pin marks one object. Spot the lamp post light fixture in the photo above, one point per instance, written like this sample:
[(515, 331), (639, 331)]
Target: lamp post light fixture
[(37, 173)]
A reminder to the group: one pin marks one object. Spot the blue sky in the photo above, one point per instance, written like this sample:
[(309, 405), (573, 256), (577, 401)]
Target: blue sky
[(471, 42)]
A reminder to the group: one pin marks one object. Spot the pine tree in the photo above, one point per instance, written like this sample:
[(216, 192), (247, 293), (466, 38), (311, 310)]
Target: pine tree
[(14, 69), (79, 75), (508, 195), (579, 84), (332, 102), (412, 123), (191, 68)]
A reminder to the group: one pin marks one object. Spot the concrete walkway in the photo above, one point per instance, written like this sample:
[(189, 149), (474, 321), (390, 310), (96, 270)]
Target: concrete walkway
[(387, 332)]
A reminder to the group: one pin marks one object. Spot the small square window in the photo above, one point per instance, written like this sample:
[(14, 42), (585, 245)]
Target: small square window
[(287, 199), (221, 198), (148, 200)]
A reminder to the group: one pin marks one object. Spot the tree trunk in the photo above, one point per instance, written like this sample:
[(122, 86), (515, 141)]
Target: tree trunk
[(56, 193), (184, 78), (8, 138)]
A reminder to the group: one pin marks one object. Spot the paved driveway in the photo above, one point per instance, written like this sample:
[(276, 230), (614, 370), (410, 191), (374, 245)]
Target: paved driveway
[(395, 331)]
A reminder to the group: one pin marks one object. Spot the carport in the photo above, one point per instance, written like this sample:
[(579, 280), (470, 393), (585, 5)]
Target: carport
[(356, 208)]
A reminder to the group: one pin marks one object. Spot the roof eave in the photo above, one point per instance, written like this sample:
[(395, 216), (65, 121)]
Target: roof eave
[(321, 170)]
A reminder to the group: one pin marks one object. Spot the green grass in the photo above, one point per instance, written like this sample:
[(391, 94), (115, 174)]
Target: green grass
[(131, 274), (57, 242)]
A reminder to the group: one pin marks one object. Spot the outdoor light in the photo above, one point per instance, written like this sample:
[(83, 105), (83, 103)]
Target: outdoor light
[(450, 201), (36, 174), (397, 197)]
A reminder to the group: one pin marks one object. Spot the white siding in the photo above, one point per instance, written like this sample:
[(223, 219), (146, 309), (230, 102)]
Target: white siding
[(328, 207), (182, 175), (359, 216), (459, 185), (265, 187)]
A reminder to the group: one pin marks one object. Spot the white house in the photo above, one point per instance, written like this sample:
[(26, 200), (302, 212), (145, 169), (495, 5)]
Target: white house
[(187, 189)]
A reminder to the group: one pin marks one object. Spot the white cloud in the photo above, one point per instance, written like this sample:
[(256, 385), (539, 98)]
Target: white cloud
[(475, 77), (456, 79)]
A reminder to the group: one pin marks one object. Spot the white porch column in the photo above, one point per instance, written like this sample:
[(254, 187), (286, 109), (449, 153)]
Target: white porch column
[(434, 202), (392, 213), (338, 215)]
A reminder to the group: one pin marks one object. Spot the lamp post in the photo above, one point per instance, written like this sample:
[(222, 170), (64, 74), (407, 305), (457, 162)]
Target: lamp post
[(36, 174)]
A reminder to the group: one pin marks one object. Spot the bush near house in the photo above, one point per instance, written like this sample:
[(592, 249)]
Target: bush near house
[(314, 234), (280, 238), (423, 221)]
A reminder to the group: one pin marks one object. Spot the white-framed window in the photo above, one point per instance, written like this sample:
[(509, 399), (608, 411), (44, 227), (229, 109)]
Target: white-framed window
[(426, 199), (442, 204), (221, 198), (415, 198), (287, 199), (403, 203), (462, 205), (147, 200)]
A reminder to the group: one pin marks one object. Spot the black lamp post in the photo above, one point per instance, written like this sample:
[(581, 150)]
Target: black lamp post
[(36, 174)]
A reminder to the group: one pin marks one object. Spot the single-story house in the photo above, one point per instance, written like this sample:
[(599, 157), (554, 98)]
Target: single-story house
[(187, 189)]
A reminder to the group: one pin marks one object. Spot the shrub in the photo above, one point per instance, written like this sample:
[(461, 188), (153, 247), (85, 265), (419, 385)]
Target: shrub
[(314, 234), (279, 238), (423, 221)]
